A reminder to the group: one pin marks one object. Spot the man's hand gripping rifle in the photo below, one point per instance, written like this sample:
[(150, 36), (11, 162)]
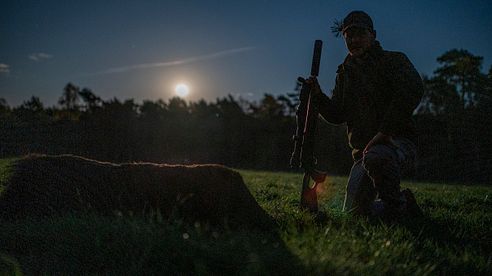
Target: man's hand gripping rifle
[(307, 116)]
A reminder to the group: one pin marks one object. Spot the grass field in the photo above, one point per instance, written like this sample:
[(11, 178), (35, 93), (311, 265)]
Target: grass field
[(454, 237)]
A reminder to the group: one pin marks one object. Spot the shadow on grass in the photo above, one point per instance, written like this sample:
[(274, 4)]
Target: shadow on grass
[(138, 246), (448, 234)]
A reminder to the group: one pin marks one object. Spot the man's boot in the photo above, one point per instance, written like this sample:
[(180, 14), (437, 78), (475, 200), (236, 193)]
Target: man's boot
[(412, 207)]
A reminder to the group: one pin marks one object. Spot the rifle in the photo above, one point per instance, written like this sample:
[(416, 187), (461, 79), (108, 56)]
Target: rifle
[(303, 153)]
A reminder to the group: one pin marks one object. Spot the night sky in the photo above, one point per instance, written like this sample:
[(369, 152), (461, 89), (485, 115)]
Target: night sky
[(143, 49)]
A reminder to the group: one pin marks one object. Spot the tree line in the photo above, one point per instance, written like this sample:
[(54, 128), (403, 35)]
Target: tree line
[(453, 122)]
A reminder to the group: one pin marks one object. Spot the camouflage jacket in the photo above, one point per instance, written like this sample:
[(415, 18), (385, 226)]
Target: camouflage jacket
[(377, 92)]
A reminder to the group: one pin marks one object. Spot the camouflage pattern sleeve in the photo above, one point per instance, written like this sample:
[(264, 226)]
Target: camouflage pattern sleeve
[(407, 91), (332, 109)]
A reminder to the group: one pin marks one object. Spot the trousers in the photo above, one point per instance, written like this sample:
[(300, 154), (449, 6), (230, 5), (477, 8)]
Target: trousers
[(374, 181)]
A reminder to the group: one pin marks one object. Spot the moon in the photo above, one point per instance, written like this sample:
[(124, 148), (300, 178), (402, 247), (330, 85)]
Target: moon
[(182, 90)]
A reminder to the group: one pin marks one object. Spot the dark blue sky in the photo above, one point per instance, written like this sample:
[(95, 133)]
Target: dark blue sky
[(142, 49)]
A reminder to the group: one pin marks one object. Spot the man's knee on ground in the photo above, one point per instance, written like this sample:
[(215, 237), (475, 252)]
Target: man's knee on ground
[(376, 158)]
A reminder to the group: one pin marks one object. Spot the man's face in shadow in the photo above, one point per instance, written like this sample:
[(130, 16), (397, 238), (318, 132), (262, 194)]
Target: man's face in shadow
[(359, 40)]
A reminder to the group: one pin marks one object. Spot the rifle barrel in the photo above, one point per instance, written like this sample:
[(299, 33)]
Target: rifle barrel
[(318, 45)]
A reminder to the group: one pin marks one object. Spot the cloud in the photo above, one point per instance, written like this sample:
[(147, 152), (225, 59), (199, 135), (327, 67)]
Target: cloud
[(172, 63), (40, 56), (4, 68)]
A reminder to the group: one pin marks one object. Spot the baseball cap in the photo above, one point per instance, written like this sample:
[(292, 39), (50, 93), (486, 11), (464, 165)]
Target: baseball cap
[(357, 19)]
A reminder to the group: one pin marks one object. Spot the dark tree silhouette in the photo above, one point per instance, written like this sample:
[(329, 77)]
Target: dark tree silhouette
[(451, 132), (4, 107), (91, 101), (461, 69), (70, 97), (33, 105)]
